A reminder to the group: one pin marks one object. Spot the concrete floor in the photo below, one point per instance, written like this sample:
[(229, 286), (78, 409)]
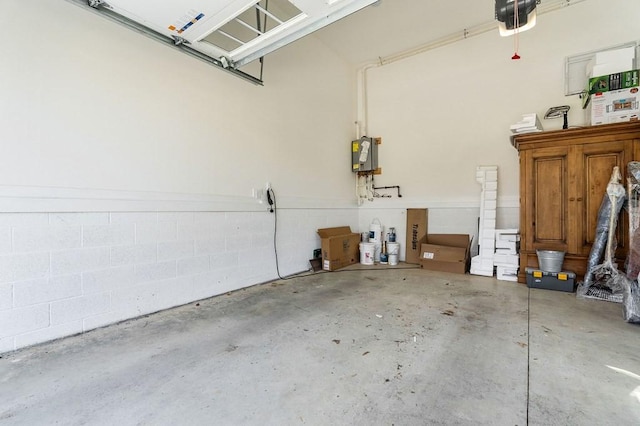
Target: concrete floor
[(361, 347)]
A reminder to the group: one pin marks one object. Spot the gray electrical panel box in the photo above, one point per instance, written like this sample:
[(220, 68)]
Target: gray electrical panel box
[(364, 154)]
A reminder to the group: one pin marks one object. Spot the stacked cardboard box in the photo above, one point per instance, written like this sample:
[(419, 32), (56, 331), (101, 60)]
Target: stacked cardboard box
[(505, 258), (612, 61), (615, 106), (612, 82), (436, 252), (613, 87), (614, 98)]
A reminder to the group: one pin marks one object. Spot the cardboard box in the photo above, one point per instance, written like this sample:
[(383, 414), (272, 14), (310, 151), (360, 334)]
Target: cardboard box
[(417, 225), (610, 68), (615, 81), (340, 247), (615, 106), (446, 253)]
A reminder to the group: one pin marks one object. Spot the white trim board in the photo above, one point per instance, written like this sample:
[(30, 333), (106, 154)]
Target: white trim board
[(414, 202), (28, 199)]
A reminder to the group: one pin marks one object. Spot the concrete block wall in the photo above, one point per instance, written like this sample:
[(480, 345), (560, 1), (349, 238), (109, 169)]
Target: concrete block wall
[(66, 273)]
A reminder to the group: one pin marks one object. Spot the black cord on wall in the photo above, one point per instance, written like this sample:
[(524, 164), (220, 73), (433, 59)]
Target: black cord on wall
[(271, 199), (273, 208)]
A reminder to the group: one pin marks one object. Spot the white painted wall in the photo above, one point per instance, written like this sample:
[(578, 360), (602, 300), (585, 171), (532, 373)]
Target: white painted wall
[(127, 168), (87, 103), (444, 112)]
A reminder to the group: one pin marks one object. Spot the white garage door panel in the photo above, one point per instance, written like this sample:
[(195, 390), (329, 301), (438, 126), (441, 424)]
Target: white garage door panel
[(230, 28), (191, 20)]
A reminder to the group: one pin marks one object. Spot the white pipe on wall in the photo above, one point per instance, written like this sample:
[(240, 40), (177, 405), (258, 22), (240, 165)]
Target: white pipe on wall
[(362, 113), (362, 123)]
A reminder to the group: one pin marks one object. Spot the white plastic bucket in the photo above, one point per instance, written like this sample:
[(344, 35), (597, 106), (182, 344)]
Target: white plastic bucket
[(375, 231), (394, 252), (393, 248), (366, 253)]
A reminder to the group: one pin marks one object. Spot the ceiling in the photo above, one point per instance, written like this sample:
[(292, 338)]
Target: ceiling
[(362, 30), (232, 32), (393, 26)]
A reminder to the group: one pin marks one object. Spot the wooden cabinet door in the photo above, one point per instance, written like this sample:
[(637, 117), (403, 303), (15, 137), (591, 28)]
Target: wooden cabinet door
[(546, 210), (596, 161)]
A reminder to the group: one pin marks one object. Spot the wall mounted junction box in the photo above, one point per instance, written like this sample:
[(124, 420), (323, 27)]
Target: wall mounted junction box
[(364, 154)]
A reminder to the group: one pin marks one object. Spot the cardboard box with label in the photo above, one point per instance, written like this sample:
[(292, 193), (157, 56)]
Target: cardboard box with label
[(615, 106), (616, 81), (340, 247), (614, 98), (417, 225), (446, 253)]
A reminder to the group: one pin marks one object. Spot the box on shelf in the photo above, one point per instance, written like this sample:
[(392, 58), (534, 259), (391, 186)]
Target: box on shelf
[(446, 253), (417, 225), (615, 55), (615, 106), (615, 81), (560, 281), (340, 247)]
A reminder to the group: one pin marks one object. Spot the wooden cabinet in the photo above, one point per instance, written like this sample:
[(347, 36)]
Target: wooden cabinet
[(563, 178)]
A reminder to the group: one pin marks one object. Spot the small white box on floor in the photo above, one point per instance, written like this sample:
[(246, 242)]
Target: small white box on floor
[(507, 273), (506, 259), (481, 266), (481, 272)]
